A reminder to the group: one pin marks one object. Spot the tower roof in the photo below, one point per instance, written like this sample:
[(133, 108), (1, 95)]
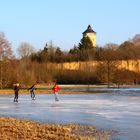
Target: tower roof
[(89, 30)]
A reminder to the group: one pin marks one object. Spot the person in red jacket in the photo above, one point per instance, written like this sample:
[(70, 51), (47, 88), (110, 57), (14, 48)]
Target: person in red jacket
[(56, 89)]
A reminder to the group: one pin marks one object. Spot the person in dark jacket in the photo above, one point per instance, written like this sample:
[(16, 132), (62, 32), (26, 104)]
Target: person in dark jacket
[(32, 89), (16, 89)]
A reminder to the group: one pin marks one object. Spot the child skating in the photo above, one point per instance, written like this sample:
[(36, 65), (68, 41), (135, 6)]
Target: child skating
[(16, 89), (32, 89), (56, 89)]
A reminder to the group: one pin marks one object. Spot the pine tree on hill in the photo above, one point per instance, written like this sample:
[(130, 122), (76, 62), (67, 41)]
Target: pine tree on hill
[(85, 43)]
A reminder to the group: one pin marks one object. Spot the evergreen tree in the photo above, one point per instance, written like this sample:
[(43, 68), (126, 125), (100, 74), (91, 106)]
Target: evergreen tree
[(85, 43), (58, 52), (74, 50)]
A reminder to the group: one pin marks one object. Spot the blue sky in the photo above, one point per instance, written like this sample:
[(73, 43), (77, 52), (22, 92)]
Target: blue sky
[(63, 21)]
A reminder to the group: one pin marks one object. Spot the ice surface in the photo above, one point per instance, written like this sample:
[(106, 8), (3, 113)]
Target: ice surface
[(119, 110)]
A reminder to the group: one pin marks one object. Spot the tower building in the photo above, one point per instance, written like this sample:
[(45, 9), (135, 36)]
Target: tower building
[(89, 32)]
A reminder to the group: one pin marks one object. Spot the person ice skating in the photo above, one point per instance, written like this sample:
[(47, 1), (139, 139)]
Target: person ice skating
[(32, 89), (16, 89), (55, 89)]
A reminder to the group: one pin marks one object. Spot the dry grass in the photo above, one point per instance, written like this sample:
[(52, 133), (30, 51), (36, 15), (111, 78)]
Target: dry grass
[(16, 129)]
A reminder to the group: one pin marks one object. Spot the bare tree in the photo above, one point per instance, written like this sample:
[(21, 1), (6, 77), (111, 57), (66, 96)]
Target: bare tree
[(5, 47), (126, 50), (5, 53), (136, 40), (108, 57), (25, 50)]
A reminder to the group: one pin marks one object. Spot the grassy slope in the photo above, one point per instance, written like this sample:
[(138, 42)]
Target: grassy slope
[(15, 129)]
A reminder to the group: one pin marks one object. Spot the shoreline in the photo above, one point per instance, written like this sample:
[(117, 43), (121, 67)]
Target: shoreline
[(13, 128), (39, 91), (67, 89)]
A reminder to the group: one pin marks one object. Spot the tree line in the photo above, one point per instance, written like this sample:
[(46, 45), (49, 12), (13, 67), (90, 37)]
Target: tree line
[(84, 52), (32, 66)]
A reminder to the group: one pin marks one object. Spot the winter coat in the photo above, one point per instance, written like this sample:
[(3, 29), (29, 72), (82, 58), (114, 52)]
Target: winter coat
[(56, 88)]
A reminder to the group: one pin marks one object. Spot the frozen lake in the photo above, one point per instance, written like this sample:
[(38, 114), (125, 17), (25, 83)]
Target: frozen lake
[(114, 109)]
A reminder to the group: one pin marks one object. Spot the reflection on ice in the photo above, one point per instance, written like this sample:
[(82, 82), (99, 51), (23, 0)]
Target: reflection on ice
[(119, 111)]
